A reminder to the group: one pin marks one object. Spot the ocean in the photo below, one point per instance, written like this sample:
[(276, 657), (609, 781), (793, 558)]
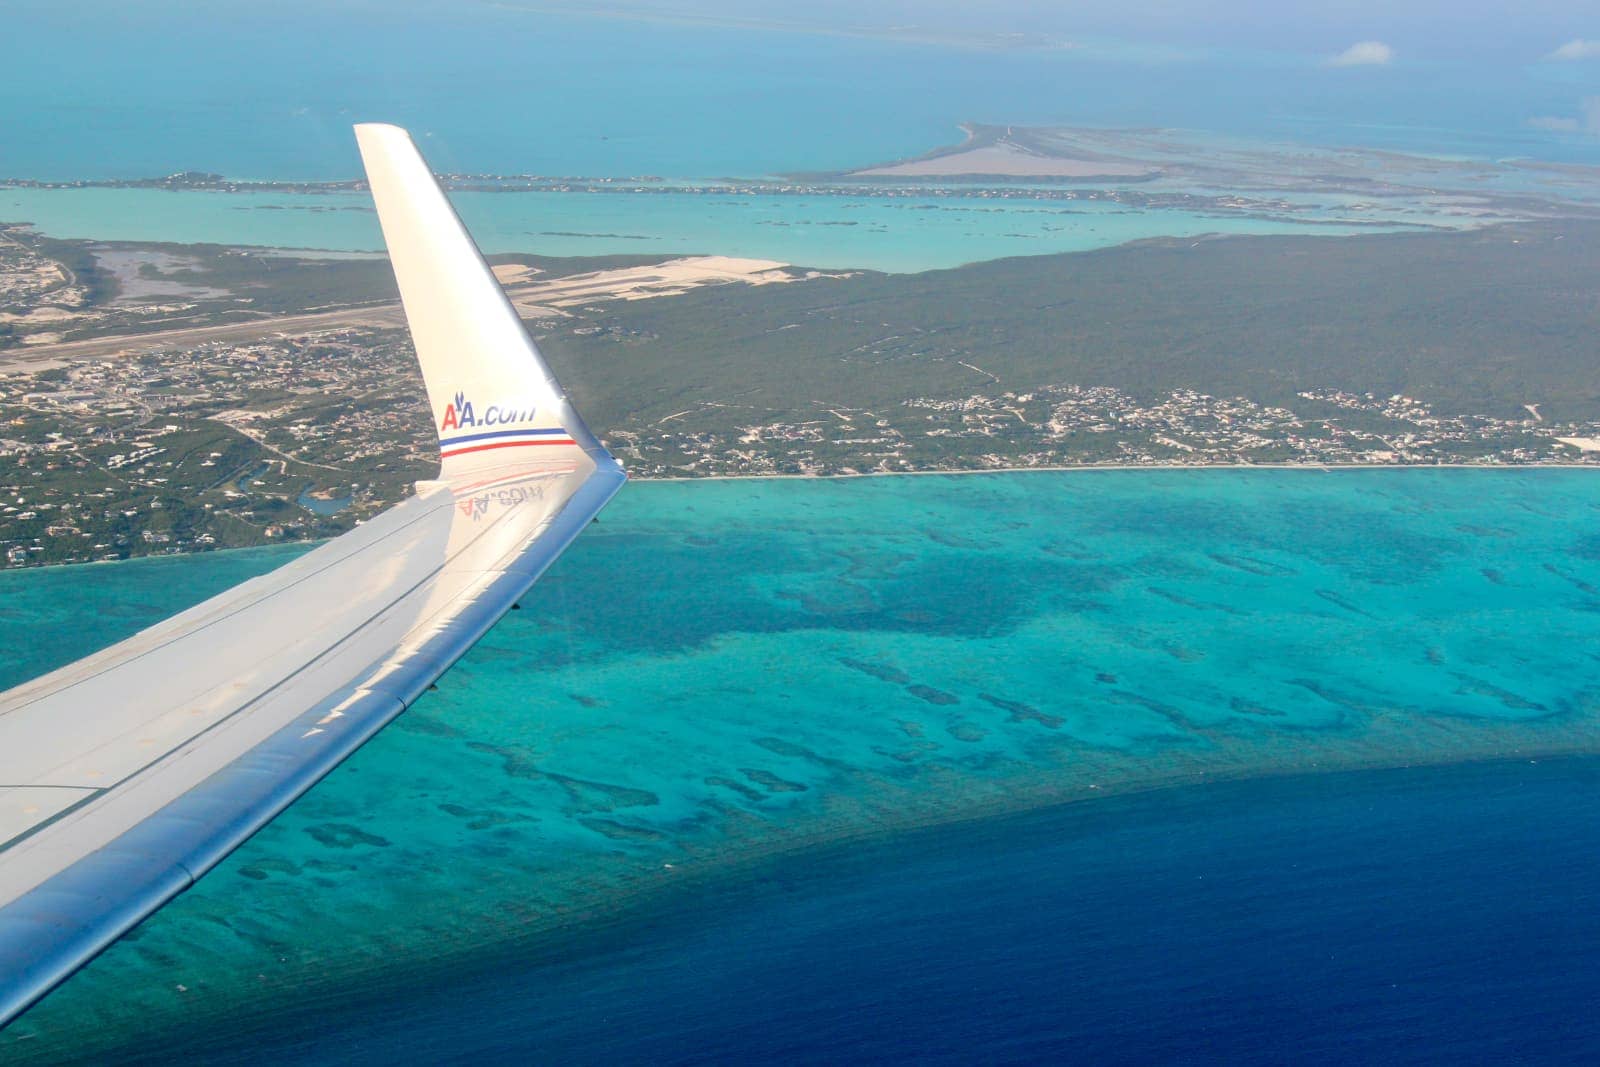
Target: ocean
[(106, 90), (1433, 916), (986, 767)]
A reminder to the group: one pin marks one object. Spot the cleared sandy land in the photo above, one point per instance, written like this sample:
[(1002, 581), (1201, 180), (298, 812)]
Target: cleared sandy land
[(1007, 160)]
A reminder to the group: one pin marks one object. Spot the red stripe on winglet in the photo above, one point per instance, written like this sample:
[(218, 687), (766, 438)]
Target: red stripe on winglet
[(507, 444)]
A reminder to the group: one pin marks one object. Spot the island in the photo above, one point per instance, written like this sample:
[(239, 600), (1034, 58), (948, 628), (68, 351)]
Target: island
[(164, 398)]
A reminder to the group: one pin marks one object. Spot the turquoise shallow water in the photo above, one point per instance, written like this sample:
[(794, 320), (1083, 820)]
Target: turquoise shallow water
[(900, 234), (722, 670)]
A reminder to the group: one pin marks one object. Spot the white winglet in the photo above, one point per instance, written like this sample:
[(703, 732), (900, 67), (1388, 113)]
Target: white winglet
[(494, 401)]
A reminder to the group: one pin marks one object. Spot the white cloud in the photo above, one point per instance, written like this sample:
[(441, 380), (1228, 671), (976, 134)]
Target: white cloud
[(1364, 54), (1576, 49), (1588, 120)]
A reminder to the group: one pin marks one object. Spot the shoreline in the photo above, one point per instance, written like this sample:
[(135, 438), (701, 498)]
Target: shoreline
[(1152, 468), (1321, 468)]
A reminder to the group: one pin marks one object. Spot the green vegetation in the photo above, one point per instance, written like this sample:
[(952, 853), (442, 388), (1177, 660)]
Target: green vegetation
[(98, 285), (1476, 323)]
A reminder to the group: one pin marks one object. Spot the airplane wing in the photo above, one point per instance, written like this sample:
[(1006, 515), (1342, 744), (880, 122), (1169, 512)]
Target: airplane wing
[(127, 775)]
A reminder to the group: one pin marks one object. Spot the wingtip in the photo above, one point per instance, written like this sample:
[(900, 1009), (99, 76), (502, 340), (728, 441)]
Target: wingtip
[(376, 132)]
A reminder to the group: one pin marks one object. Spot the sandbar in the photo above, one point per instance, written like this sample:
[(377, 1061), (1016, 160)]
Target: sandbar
[(1006, 160)]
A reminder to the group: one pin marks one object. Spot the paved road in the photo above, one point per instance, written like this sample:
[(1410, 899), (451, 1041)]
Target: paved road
[(76, 351)]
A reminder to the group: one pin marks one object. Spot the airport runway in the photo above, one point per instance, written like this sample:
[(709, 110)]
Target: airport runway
[(533, 299)]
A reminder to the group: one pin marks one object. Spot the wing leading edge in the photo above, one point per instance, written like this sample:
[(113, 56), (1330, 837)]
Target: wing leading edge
[(127, 775)]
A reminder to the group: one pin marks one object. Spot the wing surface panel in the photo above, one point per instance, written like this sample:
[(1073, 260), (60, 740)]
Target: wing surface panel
[(127, 775)]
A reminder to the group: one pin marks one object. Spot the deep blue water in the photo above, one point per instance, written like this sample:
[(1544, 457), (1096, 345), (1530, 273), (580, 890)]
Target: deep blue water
[(1441, 915)]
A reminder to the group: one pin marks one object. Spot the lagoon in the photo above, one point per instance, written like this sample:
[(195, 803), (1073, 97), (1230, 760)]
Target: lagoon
[(833, 232)]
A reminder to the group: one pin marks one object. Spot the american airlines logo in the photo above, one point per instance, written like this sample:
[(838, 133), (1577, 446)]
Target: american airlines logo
[(459, 415)]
